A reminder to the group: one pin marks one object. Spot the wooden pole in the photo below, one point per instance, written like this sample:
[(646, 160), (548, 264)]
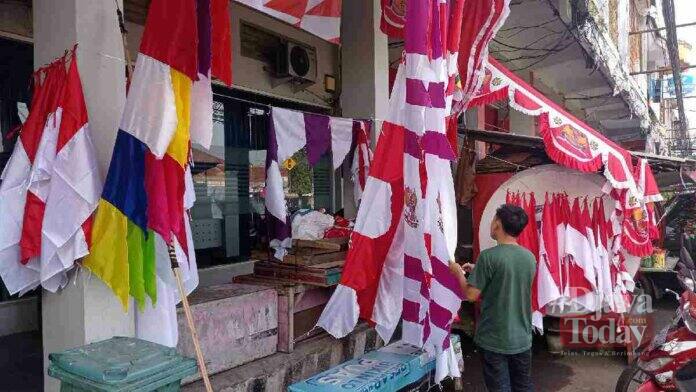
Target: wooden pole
[(172, 253), (189, 318)]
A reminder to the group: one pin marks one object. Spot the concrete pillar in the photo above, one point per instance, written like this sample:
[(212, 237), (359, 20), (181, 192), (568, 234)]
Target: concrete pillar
[(86, 310), (364, 71)]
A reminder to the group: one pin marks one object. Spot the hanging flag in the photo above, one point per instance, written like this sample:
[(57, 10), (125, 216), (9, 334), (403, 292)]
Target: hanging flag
[(75, 185), (41, 170), (319, 17), (52, 170), (580, 260), (22, 277), (601, 232), (289, 132), (214, 61), (548, 276), (362, 158), (221, 40), (405, 236), (143, 205), (481, 22)]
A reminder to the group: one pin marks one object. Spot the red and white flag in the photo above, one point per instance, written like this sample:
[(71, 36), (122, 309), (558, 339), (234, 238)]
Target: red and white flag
[(580, 260), (548, 285), (51, 185), (16, 178), (75, 186)]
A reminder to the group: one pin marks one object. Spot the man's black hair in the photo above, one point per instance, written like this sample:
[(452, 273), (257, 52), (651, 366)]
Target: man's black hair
[(513, 219)]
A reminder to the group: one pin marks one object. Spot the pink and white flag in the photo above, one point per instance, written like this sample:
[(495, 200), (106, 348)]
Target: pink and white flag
[(406, 234)]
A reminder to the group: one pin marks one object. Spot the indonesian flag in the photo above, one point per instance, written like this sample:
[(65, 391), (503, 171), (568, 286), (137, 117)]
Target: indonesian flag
[(50, 186), (580, 260), (75, 186), (20, 277), (602, 231), (371, 282), (362, 158), (548, 275)]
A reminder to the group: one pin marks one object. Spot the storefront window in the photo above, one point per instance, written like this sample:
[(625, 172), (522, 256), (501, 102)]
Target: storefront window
[(228, 218)]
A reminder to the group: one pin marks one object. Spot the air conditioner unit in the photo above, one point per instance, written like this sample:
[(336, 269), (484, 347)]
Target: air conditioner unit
[(297, 61)]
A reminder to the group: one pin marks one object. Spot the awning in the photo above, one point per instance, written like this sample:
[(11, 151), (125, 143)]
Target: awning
[(660, 164), (567, 140), (570, 142)]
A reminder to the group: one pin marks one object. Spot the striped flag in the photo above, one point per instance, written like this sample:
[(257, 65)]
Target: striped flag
[(75, 186), (405, 235), (143, 205)]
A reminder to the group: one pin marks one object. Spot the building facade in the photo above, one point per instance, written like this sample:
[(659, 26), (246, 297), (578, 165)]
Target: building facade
[(582, 54)]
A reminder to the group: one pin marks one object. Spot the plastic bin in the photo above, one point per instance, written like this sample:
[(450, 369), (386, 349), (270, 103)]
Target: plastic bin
[(120, 364)]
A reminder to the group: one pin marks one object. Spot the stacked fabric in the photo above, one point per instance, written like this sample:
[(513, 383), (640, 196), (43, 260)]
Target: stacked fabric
[(148, 189), (50, 186)]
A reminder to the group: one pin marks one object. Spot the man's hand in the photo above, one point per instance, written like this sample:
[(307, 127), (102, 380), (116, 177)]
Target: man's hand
[(470, 293), (456, 269)]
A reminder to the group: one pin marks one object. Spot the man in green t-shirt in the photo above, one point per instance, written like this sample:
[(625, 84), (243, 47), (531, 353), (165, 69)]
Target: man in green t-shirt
[(502, 277)]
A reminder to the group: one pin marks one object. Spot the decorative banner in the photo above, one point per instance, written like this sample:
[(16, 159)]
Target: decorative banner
[(568, 141), (319, 17), (290, 131), (481, 22), (574, 144)]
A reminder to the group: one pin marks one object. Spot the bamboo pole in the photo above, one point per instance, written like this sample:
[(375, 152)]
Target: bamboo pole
[(189, 318), (172, 253)]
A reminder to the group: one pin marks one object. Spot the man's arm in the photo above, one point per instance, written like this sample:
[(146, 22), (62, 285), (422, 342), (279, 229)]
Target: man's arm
[(470, 292)]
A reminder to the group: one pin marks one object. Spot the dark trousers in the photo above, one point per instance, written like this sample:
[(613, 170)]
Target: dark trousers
[(507, 372)]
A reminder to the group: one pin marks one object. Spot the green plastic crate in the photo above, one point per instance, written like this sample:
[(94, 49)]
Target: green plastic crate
[(120, 364)]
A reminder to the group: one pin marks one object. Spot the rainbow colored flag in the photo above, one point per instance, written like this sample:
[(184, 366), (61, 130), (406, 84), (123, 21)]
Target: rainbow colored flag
[(143, 197)]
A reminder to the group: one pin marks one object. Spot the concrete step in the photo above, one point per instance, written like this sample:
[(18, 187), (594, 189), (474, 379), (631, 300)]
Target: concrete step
[(236, 324), (276, 372)]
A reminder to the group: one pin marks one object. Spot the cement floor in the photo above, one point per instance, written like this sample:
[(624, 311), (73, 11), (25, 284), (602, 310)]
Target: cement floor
[(569, 373), (21, 364)]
